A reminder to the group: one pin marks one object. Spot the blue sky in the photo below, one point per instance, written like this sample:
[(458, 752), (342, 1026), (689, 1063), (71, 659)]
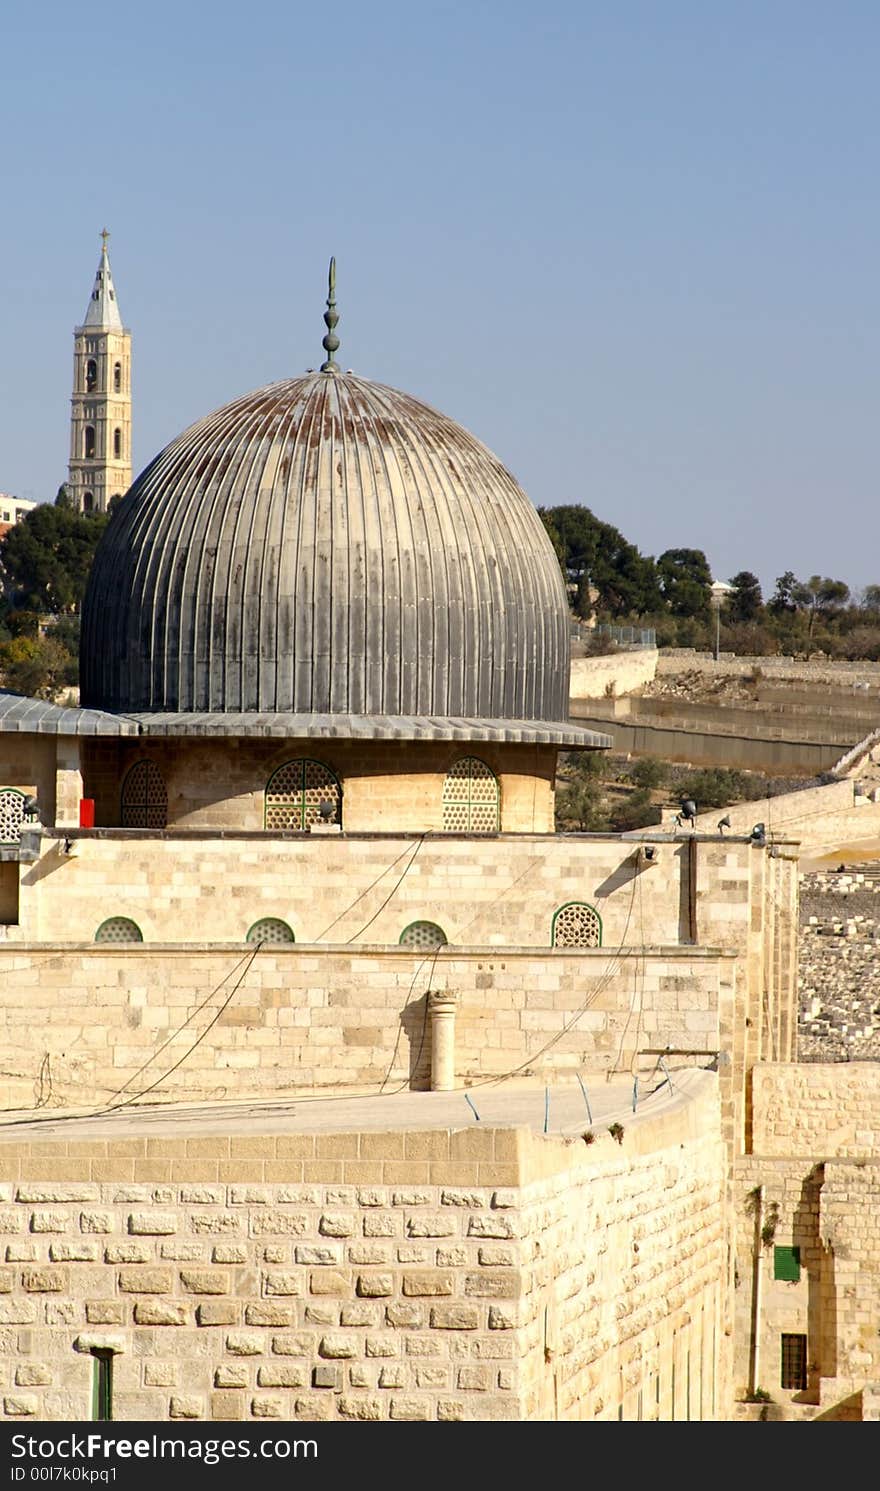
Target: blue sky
[(632, 246)]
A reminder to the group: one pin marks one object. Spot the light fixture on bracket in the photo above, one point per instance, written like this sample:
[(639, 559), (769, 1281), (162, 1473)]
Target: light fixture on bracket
[(724, 823)]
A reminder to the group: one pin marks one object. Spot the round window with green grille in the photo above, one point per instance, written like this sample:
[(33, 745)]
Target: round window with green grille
[(423, 936), (119, 929), (271, 931)]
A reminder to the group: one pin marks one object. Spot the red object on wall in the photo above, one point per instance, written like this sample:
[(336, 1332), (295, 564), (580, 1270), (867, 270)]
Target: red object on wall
[(87, 812)]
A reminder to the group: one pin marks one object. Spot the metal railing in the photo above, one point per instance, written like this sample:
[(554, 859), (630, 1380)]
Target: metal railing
[(622, 636)]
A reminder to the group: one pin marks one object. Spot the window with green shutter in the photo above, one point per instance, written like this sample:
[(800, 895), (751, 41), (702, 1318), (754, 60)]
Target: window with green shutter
[(787, 1264)]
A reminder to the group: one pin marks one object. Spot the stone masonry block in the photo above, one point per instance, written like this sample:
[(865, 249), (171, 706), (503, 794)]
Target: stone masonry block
[(33, 1374), (278, 1224), (337, 1224), (327, 1257), (267, 1406), (160, 1374), (50, 1221), (284, 1374), (105, 1312), (338, 1344), (474, 1379), (205, 1280), (366, 1409), (231, 1375), (325, 1375), (392, 1377), (431, 1224), (329, 1281), (405, 1316), (159, 1312), (492, 1285), (298, 1344), (267, 1313), (381, 1346), (152, 1223), (283, 1282), (502, 1318), (245, 1343), (375, 1286), (229, 1253), (21, 1253), (454, 1318), (381, 1224), (21, 1405), (451, 1257), (431, 1281), (128, 1253), (186, 1406), (48, 1193), (411, 1408), (218, 1312), (227, 1406), (73, 1252), (358, 1313), (451, 1197), (96, 1221), (491, 1226), (146, 1280), (45, 1280)]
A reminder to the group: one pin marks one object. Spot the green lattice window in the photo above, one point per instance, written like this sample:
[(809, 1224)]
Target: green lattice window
[(787, 1264), (301, 793), (144, 798), (11, 814), (119, 929), (423, 936), (471, 799), (576, 925), (270, 930)]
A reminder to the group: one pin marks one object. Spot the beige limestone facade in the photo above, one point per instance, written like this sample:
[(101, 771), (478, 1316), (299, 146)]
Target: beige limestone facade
[(421, 1275)]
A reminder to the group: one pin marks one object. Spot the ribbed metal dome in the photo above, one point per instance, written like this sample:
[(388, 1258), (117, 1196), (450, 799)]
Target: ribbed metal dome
[(326, 544)]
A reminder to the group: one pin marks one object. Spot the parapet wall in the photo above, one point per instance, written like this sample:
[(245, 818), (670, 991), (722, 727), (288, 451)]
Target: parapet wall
[(84, 1026), (802, 670), (419, 1275)]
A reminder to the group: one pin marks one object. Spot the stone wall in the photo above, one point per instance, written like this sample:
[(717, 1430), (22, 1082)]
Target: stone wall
[(826, 1210), (419, 1275), (390, 786), (802, 670), (612, 674), (84, 1026), (482, 890), (809, 1109)]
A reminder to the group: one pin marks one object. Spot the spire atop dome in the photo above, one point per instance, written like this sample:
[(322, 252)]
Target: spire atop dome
[(330, 342), (103, 308)]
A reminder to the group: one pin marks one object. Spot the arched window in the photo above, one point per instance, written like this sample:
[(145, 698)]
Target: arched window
[(119, 929), (88, 502), (576, 925), (11, 814), (89, 442), (471, 799), (144, 798), (423, 936), (91, 375), (301, 793), (117, 377), (117, 443), (271, 930)]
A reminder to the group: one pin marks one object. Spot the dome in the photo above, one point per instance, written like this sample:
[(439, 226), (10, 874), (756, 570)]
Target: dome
[(327, 545)]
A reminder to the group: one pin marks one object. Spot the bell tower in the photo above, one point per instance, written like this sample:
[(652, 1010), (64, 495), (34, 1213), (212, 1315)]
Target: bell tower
[(100, 420)]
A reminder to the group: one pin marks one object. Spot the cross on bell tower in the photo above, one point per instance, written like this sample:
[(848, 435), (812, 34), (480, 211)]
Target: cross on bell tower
[(100, 420)]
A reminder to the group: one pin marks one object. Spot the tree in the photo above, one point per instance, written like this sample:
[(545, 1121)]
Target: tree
[(63, 497), (45, 559), (610, 574), (783, 597), (744, 601), (36, 666), (685, 578), (871, 598)]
